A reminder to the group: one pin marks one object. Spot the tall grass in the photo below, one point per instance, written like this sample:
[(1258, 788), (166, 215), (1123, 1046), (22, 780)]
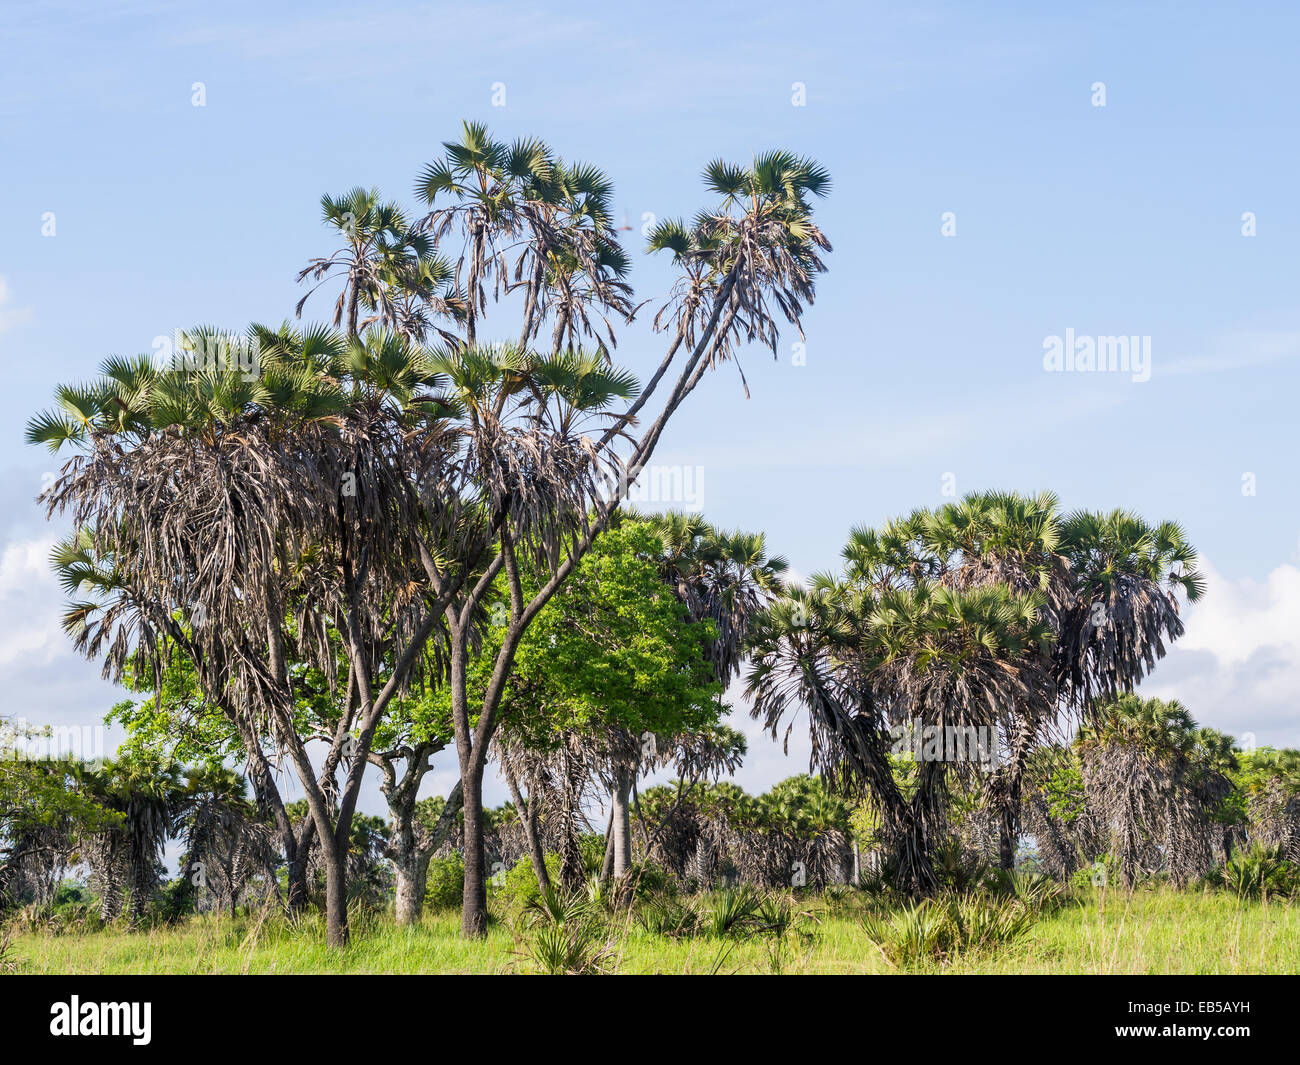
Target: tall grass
[(1159, 930)]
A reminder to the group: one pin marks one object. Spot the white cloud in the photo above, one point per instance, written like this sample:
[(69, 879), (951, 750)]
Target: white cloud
[(1238, 666), (30, 603)]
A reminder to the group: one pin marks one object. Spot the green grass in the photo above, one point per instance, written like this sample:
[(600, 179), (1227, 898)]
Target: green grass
[(1149, 931)]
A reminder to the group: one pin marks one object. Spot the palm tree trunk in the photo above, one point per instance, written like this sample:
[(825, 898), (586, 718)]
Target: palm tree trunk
[(622, 828), (1007, 841), (607, 865), (570, 849), (336, 891), (473, 921)]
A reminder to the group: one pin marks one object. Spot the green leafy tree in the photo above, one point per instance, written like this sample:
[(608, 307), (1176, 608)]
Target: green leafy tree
[(612, 669)]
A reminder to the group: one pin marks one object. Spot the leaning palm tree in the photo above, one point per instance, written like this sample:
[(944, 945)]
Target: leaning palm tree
[(1101, 592), (804, 653), (758, 247)]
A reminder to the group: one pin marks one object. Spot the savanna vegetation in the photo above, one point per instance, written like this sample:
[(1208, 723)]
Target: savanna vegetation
[(342, 548)]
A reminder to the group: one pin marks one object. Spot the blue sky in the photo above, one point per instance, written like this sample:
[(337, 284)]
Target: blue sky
[(924, 351)]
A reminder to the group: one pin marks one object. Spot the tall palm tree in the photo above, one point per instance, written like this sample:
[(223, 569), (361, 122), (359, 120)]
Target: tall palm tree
[(1126, 575), (338, 503), (384, 262), (1009, 539)]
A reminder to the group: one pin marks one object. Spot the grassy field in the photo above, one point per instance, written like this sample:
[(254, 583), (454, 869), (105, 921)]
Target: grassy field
[(1155, 931)]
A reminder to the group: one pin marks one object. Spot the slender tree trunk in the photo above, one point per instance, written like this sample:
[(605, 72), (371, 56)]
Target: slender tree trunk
[(528, 821), (296, 892), (622, 822), (408, 874), (268, 796), (411, 852), (607, 866), (473, 922)]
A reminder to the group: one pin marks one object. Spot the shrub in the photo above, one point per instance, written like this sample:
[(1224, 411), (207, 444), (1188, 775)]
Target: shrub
[(670, 916), (1097, 874), (651, 879), (1035, 891), (518, 888), (565, 935), (959, 871), (175, 901), (940, 930), (1257, 873), (917, 933), (734, 911), (445, 887)]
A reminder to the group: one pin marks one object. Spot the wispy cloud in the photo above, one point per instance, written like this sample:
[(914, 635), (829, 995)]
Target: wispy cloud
[(889, 437), (1236, 351), (10, 315)]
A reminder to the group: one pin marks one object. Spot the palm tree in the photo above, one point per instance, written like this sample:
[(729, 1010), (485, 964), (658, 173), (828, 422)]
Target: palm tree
[(1269, 780), (316, 498), (245, 521), (224, 838), (1156, 783), (954, 660), (385, 263), (930, 629), (1126, 574), (125, 858), (1009, 539), (1108, 584), (723, 577)]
